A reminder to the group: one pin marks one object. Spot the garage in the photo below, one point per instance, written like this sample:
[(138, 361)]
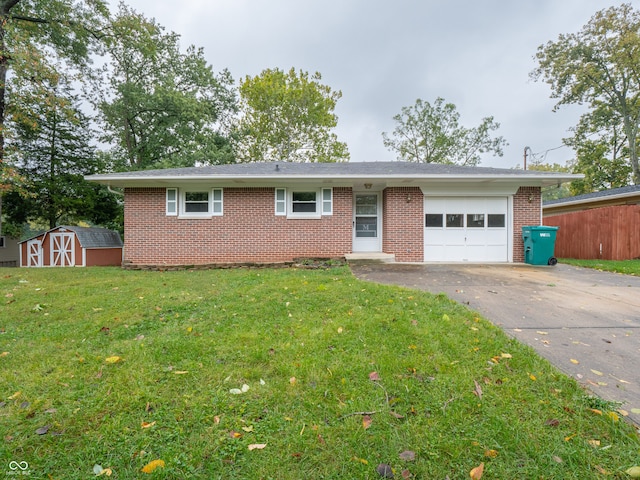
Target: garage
[(466, 229)]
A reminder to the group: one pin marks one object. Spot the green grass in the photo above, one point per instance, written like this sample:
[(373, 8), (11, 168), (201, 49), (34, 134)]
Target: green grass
[(627, 267), (451, 388)]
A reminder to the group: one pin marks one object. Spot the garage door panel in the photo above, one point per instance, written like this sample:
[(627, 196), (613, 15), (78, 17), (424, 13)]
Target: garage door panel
[(472, 229)]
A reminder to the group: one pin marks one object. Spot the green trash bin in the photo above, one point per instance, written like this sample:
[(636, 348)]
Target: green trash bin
[(539, 244)]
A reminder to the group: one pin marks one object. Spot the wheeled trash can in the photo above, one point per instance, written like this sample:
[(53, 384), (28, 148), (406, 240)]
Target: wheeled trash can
[(539, 244)]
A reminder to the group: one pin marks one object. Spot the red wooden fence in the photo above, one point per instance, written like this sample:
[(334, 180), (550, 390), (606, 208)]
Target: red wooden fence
[(608, 233)]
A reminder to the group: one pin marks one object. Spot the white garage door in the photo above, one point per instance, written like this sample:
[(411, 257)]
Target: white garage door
[(469, 229)]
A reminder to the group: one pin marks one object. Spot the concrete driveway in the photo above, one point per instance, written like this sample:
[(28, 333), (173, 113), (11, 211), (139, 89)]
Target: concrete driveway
[(585, 322)]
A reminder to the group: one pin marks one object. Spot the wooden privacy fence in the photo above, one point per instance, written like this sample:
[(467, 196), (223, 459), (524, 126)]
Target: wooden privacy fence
[(608, 233)]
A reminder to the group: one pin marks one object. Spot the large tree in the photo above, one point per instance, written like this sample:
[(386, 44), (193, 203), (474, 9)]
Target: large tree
[(29, 29), (600, 67), (161, 106), (432, 134), (51, 148), (288, 116)]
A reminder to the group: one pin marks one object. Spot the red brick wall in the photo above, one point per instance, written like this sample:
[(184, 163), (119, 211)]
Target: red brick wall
[(402, 223), (525, 212), (249, 230)]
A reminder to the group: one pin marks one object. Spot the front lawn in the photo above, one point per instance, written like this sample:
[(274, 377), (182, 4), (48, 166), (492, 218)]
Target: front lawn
[(279, 374), (627, 267)]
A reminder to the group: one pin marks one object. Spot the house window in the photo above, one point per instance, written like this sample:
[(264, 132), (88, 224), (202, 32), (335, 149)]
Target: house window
[(304, 202), (196, 202), (2, 242), (172, 201), (201, 203), (281, 201)]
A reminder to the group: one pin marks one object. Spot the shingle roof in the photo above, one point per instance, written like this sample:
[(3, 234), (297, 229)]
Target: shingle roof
[(94, 237), (90, 237), (322, 169), (382, 173), (613, 192)]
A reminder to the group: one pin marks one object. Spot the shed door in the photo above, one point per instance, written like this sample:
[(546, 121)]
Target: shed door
[(34, 253), (62, 250), (469, 229)]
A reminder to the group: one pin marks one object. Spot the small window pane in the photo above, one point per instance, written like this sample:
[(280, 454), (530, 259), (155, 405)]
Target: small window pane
[(196, 207), (327, 201), (304, 207), (304, 196), (197, 197), (171, 194), (433, 220), (217, 195), (496, 220), (475, 220), (366, 227), (280, 194), (366, 205), (455, 220)]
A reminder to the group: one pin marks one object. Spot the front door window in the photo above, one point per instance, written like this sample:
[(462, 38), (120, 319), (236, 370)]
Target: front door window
[(367, 216)]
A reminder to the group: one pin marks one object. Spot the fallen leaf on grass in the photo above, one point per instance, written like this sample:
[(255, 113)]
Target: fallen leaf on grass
[(152, 465), (181, 372), (601, 470), (43, 430), (257, 446), (361, 460), (238, 391), (113, 359), (596, 372), (384, 470), (477, 391), (366, 422), (17, 394), (594, 443), (374, 377), (4, 354), (147, 424), (476, 473), (99, 471), (491, 453), (234, 434), (633, 472), (408, 456), (557, 459), (248, 429)]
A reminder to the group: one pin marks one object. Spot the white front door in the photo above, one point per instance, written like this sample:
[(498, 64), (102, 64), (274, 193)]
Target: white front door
[(62, 250), (367, 231), (466, 229), (34, 253)]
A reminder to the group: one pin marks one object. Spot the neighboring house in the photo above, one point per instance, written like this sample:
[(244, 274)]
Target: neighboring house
[(278, 212), (600, 225), (67, 246), (9, 251)]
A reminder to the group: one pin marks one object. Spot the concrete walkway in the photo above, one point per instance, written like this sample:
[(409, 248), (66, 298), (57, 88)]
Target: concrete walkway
[(585, 322)]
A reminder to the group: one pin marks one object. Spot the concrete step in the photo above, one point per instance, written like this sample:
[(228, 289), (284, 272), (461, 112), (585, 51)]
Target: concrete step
[(361, 258)]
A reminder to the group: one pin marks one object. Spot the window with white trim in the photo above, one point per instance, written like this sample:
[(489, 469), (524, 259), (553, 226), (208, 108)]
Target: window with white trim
[(304, 203), (195, 203)]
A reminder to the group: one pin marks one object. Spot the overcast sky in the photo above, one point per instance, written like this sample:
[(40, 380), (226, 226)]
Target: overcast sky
[(383, 55)]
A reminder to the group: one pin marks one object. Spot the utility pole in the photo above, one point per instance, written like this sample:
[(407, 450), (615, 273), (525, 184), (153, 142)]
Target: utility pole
[(526, 149)]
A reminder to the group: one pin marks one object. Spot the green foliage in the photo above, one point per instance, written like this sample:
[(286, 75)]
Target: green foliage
[(431, 134), (598, 67), (627, 267), (288, 116), (555, 192), (51, 148), (448, 386), (160, 106)]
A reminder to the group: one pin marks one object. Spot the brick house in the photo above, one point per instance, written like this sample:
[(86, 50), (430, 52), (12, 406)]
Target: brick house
[(267, 212)]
